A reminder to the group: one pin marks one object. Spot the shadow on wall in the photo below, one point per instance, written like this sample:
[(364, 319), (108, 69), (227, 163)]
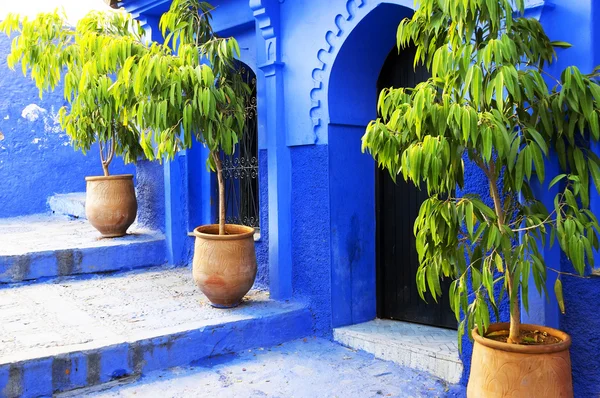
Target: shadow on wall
[(36, 157)]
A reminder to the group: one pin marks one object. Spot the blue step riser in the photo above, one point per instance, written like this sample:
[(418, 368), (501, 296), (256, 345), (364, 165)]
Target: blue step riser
[(51, 264), (65, 372)]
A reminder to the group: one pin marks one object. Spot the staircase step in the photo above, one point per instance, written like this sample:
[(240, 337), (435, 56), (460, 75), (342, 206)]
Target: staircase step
[(45, 246), (59, 336), (68, 204), (421, 347), (305, 368)]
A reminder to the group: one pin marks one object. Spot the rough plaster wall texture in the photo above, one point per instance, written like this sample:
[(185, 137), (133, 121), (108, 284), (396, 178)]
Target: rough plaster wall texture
[(311, 232), (262, 246), (582, 323), (36, 158), (150, 191), (177, 213)]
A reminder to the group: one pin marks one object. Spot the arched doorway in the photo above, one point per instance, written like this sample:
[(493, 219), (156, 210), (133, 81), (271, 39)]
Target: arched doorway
[(352, 96), (351, 101), (398, 205)]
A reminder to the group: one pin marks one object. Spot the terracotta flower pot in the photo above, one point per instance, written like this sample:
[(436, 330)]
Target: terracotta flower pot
[(509, 370), (224, 265), (110, 204)]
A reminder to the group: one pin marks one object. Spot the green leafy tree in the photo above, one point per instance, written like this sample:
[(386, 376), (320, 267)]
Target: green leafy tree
[(86, 57), (194, 93), (137, 97), (489, 100)]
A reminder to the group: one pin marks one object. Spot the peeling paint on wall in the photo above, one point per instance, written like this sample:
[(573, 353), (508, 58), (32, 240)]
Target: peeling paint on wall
[(32, 112)]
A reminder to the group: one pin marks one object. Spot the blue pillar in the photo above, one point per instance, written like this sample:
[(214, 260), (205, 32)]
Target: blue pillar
[(176, 206), (266, 13), (279, 180)]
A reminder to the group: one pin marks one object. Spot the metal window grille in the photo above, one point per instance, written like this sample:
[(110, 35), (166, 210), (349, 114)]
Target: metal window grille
[(240, 170)]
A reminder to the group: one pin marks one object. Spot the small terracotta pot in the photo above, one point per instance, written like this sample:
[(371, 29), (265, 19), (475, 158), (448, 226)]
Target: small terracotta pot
[(511, 370), (224, 265), (110, 204)]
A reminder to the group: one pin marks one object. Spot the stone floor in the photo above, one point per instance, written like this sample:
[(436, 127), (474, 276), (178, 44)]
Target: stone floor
[(50, 318), (309, 367), (43, 232), (422, 347)]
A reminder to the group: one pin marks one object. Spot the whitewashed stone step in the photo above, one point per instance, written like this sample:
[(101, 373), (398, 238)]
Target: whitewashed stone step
[(44, 246), (421, 347), (305, 368), (60, 336), (68, 204)]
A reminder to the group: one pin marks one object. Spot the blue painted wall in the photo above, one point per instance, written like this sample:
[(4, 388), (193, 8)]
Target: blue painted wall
[(311, 274), (36, 158), (150, 192), (581, 320)]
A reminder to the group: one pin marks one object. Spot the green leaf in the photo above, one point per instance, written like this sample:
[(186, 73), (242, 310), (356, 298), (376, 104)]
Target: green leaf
[(556, 180), (469, 217), (560, 44), (579, 162), (538, 161), (475, 278), (487, 144), (594, 125), (476, 85), (595, 172), (488, 282), (460, 334), (519, 171), (499, 83), (538, 139), (558, 291)]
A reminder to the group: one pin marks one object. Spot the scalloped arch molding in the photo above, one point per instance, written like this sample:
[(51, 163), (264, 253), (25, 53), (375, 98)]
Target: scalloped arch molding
[(354, 11), (344, 23)]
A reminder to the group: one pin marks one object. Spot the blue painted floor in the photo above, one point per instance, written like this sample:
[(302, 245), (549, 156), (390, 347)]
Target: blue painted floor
[(309, 367)]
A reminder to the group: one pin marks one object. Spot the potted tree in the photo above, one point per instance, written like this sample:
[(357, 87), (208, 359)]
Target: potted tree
[(99, 112), (189, 92), (138, 98), (488, 103)]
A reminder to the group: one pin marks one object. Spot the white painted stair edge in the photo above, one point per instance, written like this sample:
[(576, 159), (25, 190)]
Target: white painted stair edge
[(426, 348), (69, 204)]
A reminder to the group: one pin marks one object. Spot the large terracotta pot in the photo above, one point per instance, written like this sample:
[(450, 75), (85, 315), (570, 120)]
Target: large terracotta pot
[(110, 204), (509, 370), (224, 265)]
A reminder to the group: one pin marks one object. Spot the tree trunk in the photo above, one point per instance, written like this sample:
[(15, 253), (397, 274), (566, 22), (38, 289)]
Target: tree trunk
[(514, 336), (515, 311), (108, 157), (219, 166)]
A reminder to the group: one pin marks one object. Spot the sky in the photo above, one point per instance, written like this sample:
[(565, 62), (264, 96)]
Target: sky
[(75, 9)]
